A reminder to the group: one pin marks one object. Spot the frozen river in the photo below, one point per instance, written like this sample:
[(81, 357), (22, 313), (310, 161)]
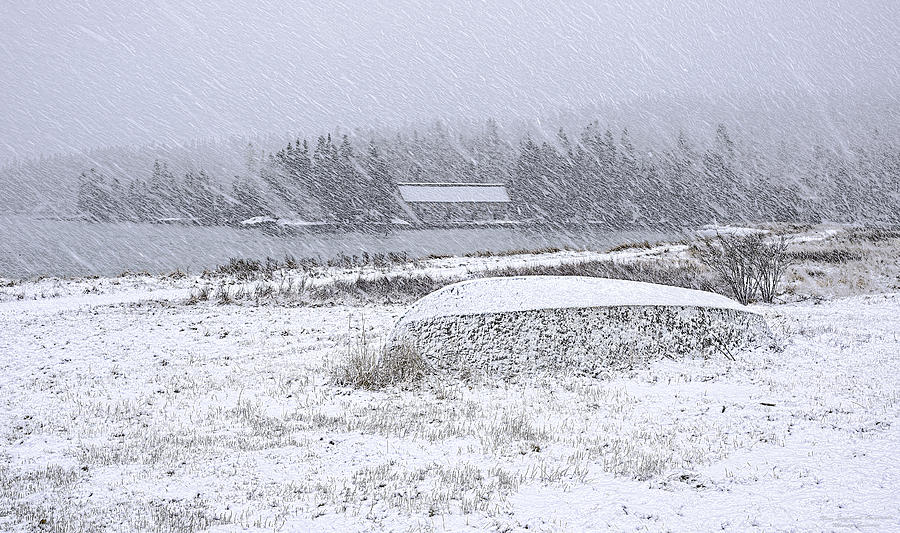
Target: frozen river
[(34, 247)]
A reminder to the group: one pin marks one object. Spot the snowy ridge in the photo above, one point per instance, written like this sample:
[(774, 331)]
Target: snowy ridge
[(528, 293)]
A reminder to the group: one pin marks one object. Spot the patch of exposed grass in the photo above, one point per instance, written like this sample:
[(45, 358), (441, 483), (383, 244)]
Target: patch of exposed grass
[(825, 255), (872, 235), (370, 367), (631, 246), (520, 251), (407, 288), (379, 289), (675, 273), (252, 269)]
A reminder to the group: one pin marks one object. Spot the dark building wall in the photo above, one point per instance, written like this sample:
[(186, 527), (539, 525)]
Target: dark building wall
[(446, 212)]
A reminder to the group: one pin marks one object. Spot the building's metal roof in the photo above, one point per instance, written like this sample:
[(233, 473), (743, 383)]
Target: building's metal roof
[(453, 192)]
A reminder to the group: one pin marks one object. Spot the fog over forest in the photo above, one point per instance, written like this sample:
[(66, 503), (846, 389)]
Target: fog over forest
[(624, 114), (80, 75)]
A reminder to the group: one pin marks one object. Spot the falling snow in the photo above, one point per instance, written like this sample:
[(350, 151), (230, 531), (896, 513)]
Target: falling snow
[(215, 216)]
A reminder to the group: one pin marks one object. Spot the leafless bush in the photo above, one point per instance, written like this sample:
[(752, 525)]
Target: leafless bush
[(377, 260), (732, 258), (262, 291), (177, 274), (749, 265), (252, 269), (124, 274), (769, 264), (369, 367)]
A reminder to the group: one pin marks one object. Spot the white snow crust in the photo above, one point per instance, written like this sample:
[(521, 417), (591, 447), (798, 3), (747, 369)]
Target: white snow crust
[(119, 413), (527, 293)]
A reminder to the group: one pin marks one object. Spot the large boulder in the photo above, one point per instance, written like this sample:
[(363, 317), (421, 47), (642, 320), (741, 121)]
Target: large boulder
[(509, 326)]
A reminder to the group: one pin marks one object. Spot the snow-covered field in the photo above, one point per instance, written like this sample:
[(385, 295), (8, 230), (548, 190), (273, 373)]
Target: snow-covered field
[(125, 408)]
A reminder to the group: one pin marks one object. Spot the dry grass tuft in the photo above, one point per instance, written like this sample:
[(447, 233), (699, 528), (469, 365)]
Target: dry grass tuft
[(631, 246), (825, 255), (369, 367), (673, 272), (379, 289)]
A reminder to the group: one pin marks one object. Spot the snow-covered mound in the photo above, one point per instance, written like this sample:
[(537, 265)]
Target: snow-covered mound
[(508, 326), (525, 293)]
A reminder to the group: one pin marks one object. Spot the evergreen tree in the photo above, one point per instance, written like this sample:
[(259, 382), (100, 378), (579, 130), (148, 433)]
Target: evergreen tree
[(248, 202), (380, 188), (99, 198)]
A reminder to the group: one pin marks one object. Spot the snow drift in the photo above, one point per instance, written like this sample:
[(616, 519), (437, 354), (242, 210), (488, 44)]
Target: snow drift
[(509, 326)]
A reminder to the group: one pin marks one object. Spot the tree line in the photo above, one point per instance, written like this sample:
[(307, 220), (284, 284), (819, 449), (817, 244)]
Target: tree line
[(595, 176)]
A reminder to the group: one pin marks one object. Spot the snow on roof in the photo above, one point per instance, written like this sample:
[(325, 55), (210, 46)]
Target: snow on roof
[(296, 222), (711, 230), (527, 293), (453, 192), (257, 220)]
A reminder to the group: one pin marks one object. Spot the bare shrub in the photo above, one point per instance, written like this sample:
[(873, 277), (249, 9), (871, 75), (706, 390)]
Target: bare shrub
[(262, 290), (123, 274), (267, 269), (770, 263), (243, 269), (732, 258), (378, 260), (749, 265), (177, 274)]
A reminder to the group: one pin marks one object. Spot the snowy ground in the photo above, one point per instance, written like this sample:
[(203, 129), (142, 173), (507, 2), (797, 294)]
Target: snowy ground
[(126, 409)]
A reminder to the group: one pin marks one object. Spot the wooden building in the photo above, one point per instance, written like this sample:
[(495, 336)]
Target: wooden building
[(455, 204)]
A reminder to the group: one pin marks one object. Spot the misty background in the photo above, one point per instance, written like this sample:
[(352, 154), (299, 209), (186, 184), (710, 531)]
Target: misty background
[(77, 75), (626, 115)]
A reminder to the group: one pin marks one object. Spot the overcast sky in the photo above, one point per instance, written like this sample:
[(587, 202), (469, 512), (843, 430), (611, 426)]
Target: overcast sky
[(101, 72)]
